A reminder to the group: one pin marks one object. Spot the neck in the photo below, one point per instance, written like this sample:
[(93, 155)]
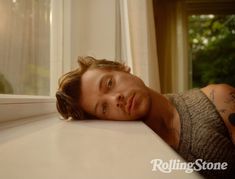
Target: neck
[(163, 119)]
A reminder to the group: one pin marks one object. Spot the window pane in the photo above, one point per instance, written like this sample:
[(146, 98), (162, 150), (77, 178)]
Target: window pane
[(212, 49), (25, 47)]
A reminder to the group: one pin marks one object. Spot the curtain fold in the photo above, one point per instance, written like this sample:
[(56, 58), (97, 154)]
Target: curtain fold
[(137, 40), (171, 35)]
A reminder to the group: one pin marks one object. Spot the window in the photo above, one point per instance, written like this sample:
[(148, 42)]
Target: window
[(211, 49), (171, 20), (25, 47), (31, 55)]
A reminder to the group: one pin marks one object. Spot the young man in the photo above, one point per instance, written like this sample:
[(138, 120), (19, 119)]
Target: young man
[(198, 124)]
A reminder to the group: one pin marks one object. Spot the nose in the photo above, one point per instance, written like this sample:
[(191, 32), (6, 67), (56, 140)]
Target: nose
[(120, 100)]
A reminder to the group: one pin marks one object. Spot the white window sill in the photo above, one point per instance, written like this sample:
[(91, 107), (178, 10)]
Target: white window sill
[(13, 107), (47, 147)]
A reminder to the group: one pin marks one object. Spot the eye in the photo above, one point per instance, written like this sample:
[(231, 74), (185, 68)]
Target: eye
[(104, 108), (110, 83)]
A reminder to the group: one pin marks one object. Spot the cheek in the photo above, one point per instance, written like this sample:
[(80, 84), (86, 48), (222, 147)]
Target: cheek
[(87, 103), (130, 80), (135, 81)]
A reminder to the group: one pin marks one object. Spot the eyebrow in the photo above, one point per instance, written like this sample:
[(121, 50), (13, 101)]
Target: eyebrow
[(99, 88)]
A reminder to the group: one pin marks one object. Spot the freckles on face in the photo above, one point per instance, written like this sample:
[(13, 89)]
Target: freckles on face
[(113, 95)]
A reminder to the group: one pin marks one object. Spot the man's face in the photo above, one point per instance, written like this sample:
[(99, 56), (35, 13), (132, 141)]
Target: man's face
[(113, 95)]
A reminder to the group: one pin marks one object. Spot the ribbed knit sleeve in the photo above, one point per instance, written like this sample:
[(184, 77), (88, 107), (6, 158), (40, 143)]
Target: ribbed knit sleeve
[(203, 133)]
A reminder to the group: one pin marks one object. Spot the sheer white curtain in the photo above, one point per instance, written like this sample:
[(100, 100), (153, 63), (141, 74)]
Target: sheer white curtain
[(25, 47), (136, 41)]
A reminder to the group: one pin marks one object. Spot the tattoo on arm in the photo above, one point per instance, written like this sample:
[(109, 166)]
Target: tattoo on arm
[(231, 98), (232, 94), (223, 111), (212, 95)]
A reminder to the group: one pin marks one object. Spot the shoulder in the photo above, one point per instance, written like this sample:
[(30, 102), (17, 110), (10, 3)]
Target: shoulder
[(223, 97), (220, 89)]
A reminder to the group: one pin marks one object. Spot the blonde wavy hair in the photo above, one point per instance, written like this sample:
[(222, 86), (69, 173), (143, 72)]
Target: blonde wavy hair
[(69, 86)]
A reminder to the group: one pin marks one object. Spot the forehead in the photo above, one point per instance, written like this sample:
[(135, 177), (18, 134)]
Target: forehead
[(90, 86), (92, 76)]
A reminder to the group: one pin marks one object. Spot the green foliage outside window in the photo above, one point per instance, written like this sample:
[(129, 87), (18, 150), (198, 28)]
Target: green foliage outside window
[(212, 49), (5, 86)]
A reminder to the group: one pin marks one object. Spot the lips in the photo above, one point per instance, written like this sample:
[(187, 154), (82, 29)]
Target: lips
[(129, 104)]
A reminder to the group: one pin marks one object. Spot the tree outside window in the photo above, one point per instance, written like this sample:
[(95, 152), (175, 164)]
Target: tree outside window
[(212, 49)]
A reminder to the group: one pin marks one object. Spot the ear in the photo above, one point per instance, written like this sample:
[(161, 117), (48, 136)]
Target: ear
[(127, 69)]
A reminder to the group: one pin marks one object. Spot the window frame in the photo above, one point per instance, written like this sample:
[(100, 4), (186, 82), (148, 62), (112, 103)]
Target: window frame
[(172, 38), (198, 7), (14, 107)]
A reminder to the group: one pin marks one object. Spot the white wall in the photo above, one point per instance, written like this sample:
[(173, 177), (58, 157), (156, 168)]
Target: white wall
[(93, 29)]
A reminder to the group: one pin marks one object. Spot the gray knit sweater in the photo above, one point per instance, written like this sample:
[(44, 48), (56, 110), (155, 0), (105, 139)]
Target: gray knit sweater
[(203, 133)]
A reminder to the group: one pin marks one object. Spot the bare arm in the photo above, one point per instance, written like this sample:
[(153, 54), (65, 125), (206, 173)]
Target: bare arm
[(223, 97)]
